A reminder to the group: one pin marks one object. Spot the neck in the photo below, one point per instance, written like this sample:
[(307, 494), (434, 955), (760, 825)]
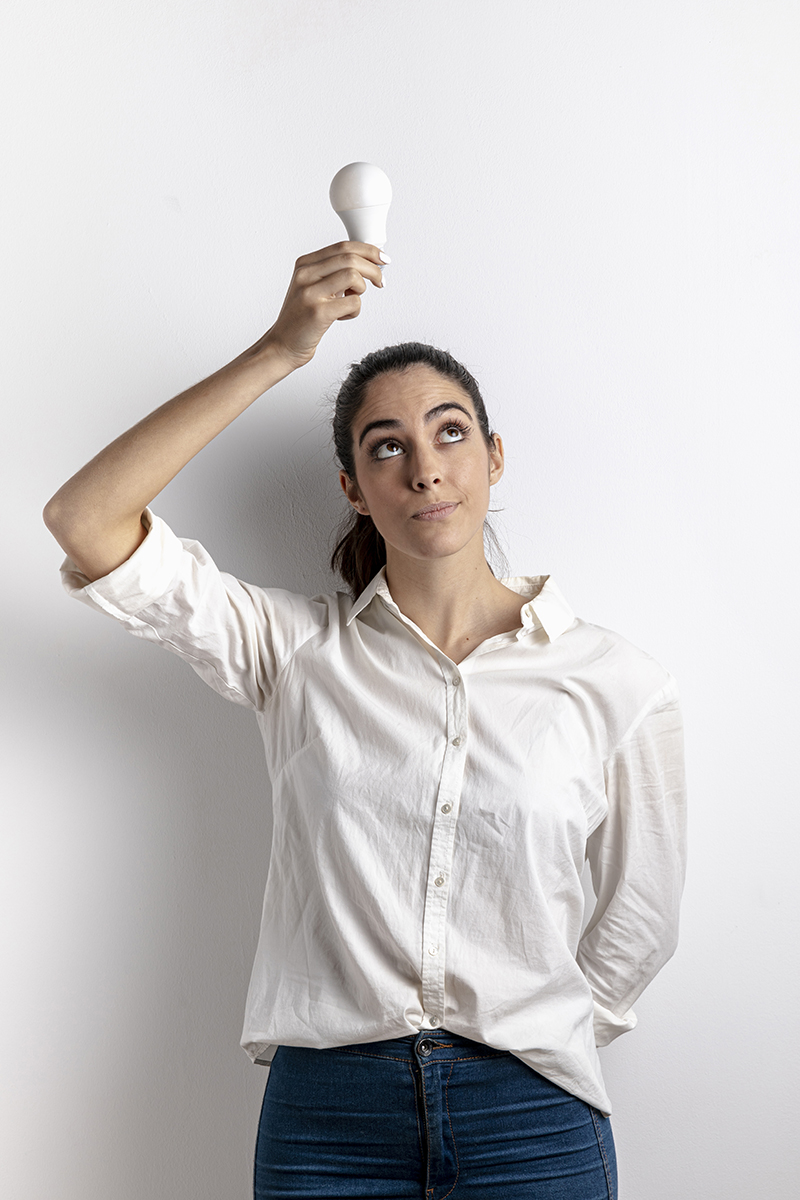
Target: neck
[(456, 601)]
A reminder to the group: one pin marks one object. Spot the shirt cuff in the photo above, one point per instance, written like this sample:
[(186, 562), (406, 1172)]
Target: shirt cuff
[(608, 1026), (136, 583)]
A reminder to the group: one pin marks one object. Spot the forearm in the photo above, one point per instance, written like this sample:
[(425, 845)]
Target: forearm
[(96, 515)]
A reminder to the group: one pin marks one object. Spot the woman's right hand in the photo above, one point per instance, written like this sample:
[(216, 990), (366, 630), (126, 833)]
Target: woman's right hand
[(326, 286)]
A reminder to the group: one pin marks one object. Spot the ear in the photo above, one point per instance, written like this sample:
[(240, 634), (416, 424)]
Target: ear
[(496, 460), (350, 489)]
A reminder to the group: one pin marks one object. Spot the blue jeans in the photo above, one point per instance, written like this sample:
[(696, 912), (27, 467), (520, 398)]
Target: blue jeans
[(428, 1116)]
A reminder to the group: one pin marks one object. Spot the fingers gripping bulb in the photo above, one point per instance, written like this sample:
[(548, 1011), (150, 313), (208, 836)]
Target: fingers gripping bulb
[(361, 194)]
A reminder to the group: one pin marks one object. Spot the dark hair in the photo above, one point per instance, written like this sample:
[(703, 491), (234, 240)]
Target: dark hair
[(360, 551)]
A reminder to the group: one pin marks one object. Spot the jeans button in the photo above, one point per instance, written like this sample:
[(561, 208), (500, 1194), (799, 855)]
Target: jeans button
[(424, 1048)]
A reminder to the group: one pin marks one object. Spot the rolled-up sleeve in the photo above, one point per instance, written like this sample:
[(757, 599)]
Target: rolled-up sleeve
[(637, 858), (237, 637)]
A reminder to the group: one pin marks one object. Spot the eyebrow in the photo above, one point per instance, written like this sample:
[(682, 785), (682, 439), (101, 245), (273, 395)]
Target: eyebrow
[(430, 415)]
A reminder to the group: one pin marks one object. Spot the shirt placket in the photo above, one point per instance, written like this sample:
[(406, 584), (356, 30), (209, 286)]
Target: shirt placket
[(448, 798)]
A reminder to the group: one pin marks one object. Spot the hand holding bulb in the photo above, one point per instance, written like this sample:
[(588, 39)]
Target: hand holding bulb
[(360, 193)]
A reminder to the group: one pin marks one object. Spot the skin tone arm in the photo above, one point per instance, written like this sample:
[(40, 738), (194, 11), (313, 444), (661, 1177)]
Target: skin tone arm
[(96, 515)]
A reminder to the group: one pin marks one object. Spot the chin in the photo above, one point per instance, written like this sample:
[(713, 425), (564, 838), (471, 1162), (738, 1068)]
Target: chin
[(437, 548)]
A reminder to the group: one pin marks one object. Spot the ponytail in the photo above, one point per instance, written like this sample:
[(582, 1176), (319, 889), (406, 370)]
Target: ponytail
[(360, 552)]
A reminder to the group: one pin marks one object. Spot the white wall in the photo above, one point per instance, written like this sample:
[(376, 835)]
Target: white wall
[(596, 207)]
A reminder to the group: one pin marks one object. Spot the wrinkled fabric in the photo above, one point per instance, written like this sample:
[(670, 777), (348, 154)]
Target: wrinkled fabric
[(431, 820)]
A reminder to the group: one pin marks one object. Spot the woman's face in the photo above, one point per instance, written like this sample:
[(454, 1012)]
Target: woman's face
[(423, 469)]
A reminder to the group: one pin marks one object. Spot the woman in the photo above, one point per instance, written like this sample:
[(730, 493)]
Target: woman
[(445, 749)]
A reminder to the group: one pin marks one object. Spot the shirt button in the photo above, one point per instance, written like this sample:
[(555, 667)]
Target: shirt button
[(439, 880), (434, 1020), (456, 681), (456, 741), (433, 949), (446, 808)]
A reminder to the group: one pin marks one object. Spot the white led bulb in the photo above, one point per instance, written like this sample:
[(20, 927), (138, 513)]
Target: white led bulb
[(361, 194)]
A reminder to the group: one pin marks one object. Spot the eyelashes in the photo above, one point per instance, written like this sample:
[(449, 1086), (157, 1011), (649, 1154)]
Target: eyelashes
[(376, 447)]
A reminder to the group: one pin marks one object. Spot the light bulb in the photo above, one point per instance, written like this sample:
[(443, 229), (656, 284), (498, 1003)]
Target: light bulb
[(361, 194)]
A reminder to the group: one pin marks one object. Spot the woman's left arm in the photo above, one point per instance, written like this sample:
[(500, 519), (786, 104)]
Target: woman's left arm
[(637, 858)]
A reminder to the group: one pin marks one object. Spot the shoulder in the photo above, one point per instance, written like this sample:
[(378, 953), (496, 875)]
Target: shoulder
[(609, 649), (325, 608), (625, 682)]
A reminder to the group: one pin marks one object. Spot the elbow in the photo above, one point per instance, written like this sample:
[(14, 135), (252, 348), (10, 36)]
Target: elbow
[(53, 516), (61, 520), (663, 944), (65, 524)]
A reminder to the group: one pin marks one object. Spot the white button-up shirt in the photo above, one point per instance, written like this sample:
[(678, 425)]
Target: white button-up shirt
[(432, 820)]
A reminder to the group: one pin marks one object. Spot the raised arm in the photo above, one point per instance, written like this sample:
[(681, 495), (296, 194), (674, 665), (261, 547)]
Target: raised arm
[(96, 515)]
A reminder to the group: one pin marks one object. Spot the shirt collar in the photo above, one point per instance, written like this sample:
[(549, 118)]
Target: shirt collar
[(547, 608), (368, 595)]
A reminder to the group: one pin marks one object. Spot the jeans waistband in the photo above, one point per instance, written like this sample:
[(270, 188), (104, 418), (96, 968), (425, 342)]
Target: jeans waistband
[(434, 1045)]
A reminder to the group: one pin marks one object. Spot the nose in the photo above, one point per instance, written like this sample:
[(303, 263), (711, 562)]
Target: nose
[(425, 471)]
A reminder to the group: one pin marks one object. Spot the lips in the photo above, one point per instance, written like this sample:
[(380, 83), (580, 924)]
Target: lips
[(433, 512)]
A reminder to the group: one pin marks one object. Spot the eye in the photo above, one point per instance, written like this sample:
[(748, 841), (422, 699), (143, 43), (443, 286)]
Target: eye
[(454, 432), (387, 450)]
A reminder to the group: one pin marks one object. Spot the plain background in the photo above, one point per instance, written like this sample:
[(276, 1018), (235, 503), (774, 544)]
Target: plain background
[(596, 208)]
